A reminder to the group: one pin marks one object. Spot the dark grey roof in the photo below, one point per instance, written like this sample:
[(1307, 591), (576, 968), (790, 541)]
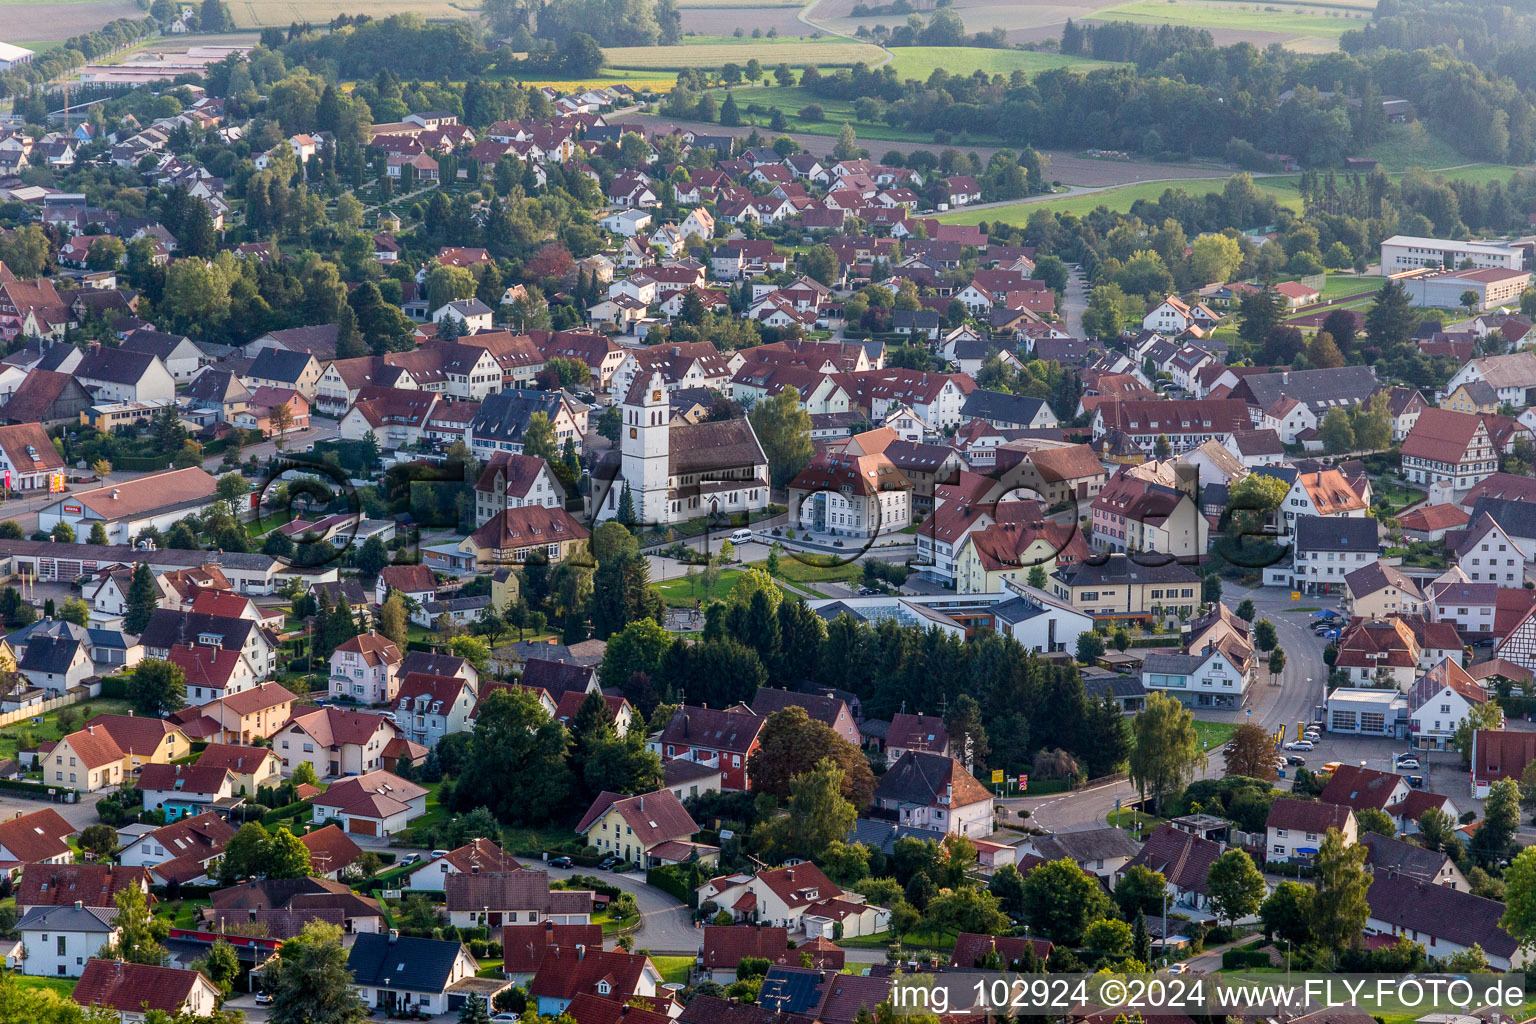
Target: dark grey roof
[(318, 340), (406, 962), (1385, 855), (115, 365), (1285, 474), (349, 588), (168, 627), (49, 654), (1090, 844), (882, 835), (1517, 518), (431, 664), (917, 777), (155, 343), (1119, 569), (68, 918), (1333, 533), (558, 677), (280, 365), (918, 319), (1440, 912), (836, 608), (1000, 409), (212, 385), (914, 456), (1170, 664), (1319, 389), (54, 357), (1116, 685), (504, 416)]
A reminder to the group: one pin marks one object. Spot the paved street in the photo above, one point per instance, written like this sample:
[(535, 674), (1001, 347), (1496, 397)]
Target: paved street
[(1300, 691)]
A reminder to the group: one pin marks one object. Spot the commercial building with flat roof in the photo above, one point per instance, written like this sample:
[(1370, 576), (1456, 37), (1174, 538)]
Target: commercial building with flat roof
[(1367, 711), (1406, 252), (1493, 286)]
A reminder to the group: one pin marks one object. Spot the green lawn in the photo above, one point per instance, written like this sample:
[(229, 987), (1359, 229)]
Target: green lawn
[(915, 939), (674, 969), (1412, 145), (1118, 199), (180, 913), (63, 986), (1315, 22), (717, 52), (796, 571), (921, 61), (791, 100), (683, 591), (1339, 286), (24, 735), (1214, 735), (1127, 818)]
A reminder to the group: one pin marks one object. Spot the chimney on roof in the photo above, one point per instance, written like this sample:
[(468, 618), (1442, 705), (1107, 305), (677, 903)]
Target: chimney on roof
[(394, 934), (91, 729), (581, 951), (79, 905)]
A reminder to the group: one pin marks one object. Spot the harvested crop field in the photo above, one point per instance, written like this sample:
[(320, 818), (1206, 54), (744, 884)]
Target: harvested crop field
[(921, 61), (50, 22), (713, 55), (282, 13), (719, 20)]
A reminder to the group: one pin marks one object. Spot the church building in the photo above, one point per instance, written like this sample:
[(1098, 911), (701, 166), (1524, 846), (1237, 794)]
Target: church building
[(675, 470)]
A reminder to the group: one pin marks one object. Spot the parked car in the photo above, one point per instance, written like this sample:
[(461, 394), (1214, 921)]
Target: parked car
[(263, 998), (411, 859), (1416, 781), (1407, 761), (1298, 762), (1332, 766), (560, 862), (1302, 745), (607, 862)]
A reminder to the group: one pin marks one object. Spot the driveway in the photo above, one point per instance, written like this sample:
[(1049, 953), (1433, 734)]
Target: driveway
[(79, 815)]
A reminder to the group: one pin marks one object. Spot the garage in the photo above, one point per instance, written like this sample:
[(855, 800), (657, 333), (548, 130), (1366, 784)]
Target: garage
[(363, 826)]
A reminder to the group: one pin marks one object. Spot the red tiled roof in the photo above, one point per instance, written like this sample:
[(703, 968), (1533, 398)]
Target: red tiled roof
[(330, 849), (565, 972), (523, 945), (60, 885), (374, 648), (970, 948), (36, 836), (654, 817), (133, 988)]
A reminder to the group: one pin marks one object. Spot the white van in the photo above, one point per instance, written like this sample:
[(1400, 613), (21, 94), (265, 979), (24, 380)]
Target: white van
[(741, 537)]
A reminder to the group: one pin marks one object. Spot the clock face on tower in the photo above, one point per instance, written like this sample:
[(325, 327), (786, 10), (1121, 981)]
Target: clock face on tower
[(655, 396), (633, 433)]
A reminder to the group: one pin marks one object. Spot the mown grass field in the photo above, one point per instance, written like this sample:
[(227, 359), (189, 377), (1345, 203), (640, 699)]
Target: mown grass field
[(1412, 145), (717, 53), (1304, 21), (921, 61), (683, 591), (1118, 199), (282, 13), (791, 100)]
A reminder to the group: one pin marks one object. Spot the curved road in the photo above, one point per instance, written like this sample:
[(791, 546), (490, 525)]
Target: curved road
[(1300, 689)]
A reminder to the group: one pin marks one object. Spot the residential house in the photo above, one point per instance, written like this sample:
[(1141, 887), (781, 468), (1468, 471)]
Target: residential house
[(1295, 829), (524, 945), (567, 972), (1326, 550), (1184, 859), (1445, 921), (375, 803), (335, 742), (1439, 701), (36, 837), (429, 707), (935, 791), (1448, 446), (134, 990), (58, 942), (364, 668), (479, 855), (123, 375), (490, 899), (724, 738), (402, 974), (648, 830), (1378, 590)]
